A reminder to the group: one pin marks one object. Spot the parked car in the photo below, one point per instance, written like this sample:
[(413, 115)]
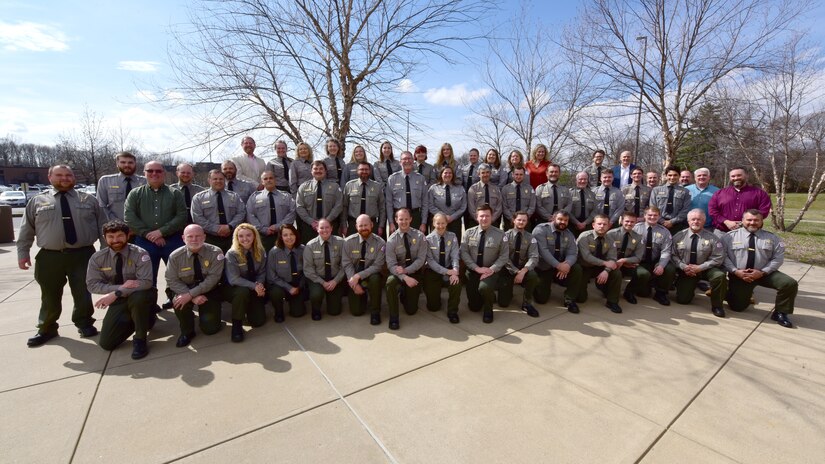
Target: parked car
[(12, 198)]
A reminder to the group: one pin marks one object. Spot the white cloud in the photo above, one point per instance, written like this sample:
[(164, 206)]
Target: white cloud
[(32, 36), (457, 95), (407, 86), (145, 96), (138, 66)]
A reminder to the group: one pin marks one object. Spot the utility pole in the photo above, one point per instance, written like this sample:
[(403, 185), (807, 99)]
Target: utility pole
[(641, 91)]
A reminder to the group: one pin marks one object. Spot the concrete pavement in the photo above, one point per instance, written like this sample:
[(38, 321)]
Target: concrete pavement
[(653, 384)]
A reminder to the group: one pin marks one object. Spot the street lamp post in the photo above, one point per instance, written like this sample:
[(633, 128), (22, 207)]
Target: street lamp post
[(642, 38)]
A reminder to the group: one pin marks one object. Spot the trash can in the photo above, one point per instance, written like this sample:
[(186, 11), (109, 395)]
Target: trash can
[(6, 225)]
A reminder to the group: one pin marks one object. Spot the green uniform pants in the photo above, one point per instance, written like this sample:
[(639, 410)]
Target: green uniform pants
[(481, 293), (786, 288), (209, 314), (297, 308), (571, 284), (371, 299), (505, 288), (245, 302), (127, 315), (224, 243), (639, 276), (268, 241), (662, 282), (317, 294), (51, 271), (433, 283), (686, 286), (398, 290), (613, 286)]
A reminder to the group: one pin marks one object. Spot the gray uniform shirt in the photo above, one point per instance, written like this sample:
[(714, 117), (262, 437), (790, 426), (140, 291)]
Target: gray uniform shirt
[(629, 192), (615, 201), (205, 212), (43, 218), (528, 199), (594, 173), (437, 201), (276, 165), (279, 269), (314, 262), (709, 249), (379, 170), (396, 190), (545, 236), (661, 242), (306, 200), (374, 195), (111, 193), (237, 271), (350, 173), (496, 248), (476, 197), (770, 250), (463, 174), (397, 253), (332, 168), (528, 251), (300, 171), (243, 188), (681, 203), (259, 213), (374, 258), (180, 271), (101, 270), (576, 215), (587, 249), (634, 251), (451, 251), (426, 169), (545, 198)]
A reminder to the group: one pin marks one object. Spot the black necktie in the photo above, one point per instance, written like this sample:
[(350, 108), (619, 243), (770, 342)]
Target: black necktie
[(293, 267), (518, 197), (649, 245), (487, 193), (327, 263), (637, 202), (273, 214), (598, 175), (250, 267), (624, 245), (669, 206), (442, 253), (599, 246), (407, 251), (557, 246), (606, 201), (319, 200), (517, 251), (469, 181), (196, 265), (421, 169), (582, 213), (338, 167), (389, 168), (694, 243), (449, 200), (221, 210), (187, 197), (68, 223), (362, 260), (231, 186), (363, 198), (480, 254), (751, 252), (118, 269), (408, 192), (555, 198), (128, 185), (286, 168)]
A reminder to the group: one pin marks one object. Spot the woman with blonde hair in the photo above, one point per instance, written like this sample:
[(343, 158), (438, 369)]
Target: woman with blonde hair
[(285, 274), (446, 157), (386, 164), (245, 274), (537, 166), (359, 154), (300, 170)]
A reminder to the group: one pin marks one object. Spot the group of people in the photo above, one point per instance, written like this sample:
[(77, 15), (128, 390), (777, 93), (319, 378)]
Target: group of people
[(290, 232)]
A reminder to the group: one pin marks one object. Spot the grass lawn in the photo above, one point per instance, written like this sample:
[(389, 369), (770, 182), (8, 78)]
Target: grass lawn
[(807, 241)]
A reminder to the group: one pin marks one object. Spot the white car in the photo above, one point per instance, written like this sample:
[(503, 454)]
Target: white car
[(13, 198)]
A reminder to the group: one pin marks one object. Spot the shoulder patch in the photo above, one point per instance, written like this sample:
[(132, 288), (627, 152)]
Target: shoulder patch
[(144, 258), (221, 257), (504, 239)]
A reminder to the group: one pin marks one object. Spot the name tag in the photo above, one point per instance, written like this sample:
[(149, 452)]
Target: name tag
[(186, 269), (105, 269)]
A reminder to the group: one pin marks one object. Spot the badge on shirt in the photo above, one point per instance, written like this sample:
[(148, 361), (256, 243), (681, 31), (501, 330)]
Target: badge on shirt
[(372, 249), (413, 241), (205, 263)]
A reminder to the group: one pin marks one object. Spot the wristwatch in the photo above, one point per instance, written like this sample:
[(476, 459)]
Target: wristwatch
[(118, 293)]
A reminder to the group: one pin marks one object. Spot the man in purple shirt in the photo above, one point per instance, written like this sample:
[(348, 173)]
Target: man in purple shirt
[(727, 205)]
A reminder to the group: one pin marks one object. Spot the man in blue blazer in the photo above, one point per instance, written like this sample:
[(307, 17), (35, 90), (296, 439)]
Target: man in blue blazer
[(621, 173)]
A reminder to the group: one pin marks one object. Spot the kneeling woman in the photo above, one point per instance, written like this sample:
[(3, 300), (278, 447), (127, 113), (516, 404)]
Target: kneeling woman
[(245, 273), (285, 274)]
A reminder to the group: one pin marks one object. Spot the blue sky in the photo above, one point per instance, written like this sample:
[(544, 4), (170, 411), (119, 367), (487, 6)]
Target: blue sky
[(57, 56)]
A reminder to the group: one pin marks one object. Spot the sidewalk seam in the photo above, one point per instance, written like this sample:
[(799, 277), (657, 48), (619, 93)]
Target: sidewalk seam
[(89, 410)]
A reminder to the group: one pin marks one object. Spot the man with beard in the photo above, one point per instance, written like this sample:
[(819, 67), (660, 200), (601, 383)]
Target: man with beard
[(280, 166), (629, 253), (113, 189), (518, 195), (598, 259), (66, 223), (122, 273), (558, 253), (727, 206), (219, 212), (362, 196), (248, 165), (268, 209), (656, 240), (316, 199), (233, 184), (551, 197), (363, 261), (185, 174), (753, 257), (699, 254), (484, 250), (583, 205), (520, 268)]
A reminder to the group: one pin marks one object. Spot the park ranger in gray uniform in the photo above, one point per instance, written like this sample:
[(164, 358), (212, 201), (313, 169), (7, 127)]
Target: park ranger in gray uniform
[(598, 259), (193, 274), (218, 211), (468, 173), (657, 242), (363, 196), (185, 174), (423, 167), (595, 170), (363, 260), (406, 255), (484, 192), (521, 265), (636, 194), (449, 198), (113, 189), (609, 199), (558, 253), (673, 201), (583, 205), (443, 268), (699, 254), (485, 251), (518, 195), (243, 188), (407, 189), (316, 199), (66, 223), (279, 165), (322, 268), (552, 197), (629, 253), (268, 209), (753, 257), (300, 170)]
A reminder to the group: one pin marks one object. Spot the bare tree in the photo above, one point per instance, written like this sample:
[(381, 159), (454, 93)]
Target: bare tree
[(688, 46), (310, 68), (89, 150)]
